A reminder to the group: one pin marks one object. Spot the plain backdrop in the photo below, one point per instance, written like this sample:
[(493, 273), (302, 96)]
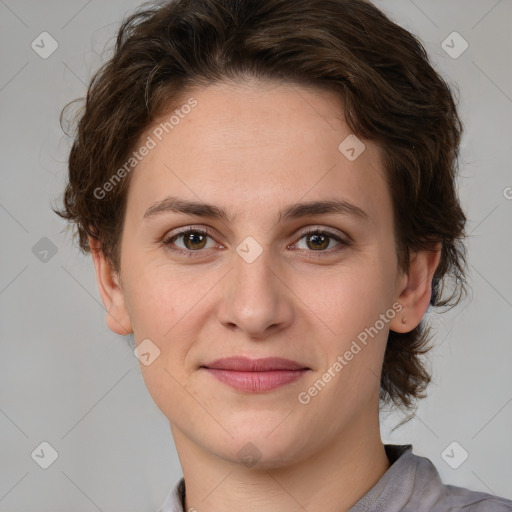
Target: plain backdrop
[(66, 380)]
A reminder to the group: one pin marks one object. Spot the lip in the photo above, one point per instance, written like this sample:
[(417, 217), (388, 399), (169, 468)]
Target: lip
[(246, 364), (255, 375)]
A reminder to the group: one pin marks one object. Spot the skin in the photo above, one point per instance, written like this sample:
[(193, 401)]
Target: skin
[(253, 149)]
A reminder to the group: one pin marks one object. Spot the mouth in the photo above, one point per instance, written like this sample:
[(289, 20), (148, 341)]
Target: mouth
[(256, 375)]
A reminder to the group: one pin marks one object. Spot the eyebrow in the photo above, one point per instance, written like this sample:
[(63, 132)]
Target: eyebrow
[(294, 211)]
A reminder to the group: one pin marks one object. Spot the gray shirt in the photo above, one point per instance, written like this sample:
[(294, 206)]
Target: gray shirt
[(411, 484)]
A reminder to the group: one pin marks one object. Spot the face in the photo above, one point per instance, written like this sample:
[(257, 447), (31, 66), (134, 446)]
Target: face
[(254, 283)]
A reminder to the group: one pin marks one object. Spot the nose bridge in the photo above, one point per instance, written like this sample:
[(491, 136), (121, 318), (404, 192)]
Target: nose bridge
[(255, 299)]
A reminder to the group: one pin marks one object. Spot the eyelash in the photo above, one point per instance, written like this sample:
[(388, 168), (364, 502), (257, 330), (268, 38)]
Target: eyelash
[(205, 232)]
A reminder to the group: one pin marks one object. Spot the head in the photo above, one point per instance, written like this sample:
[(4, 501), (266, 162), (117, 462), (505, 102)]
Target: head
[(252, 108)]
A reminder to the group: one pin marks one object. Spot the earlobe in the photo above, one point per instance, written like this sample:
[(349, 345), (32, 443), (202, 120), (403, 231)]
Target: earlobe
[(112, 295), (415, 289)]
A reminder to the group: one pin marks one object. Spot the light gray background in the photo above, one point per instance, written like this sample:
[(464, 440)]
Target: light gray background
[(66, 379)]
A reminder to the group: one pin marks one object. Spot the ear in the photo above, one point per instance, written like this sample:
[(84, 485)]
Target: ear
[(112, 295), (415, 289)]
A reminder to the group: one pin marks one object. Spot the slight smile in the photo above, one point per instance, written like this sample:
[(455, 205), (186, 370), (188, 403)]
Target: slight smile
[(255, 375)]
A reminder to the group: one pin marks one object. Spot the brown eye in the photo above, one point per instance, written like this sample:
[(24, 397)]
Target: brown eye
[(194, 240), (320, 240), (317, 241)]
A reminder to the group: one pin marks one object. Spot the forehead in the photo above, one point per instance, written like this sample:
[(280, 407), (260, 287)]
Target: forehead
[(256, 147)]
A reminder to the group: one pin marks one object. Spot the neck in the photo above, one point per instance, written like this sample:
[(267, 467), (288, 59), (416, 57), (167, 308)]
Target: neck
[(332, 479)]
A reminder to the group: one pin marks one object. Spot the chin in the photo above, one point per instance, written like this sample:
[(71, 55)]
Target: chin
[(257, 450)]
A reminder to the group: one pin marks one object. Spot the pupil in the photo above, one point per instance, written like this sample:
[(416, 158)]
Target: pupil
[(191, 237), (318, 242)]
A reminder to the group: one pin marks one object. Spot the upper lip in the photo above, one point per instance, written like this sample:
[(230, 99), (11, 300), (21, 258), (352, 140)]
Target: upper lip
[(246, 364)]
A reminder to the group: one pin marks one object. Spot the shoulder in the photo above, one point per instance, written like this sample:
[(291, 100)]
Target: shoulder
[(412, 484), (439, 497), (460, 498)]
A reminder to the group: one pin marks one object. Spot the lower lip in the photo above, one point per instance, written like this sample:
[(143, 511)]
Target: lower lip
[(256, 381)]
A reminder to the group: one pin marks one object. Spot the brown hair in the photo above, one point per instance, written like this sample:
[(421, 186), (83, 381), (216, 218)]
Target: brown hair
[(389, 90)]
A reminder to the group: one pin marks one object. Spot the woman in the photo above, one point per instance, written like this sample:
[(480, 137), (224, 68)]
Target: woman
[(268, 192)]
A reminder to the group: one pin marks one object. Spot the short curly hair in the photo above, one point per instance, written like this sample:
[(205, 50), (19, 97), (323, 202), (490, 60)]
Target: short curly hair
[(389, 91)]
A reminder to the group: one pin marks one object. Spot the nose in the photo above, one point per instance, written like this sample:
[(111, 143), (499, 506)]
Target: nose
[(256, 300)]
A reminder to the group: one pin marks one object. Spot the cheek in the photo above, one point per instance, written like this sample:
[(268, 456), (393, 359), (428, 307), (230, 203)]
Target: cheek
[(164, 306), (352, 298), (156, 298), (158, 308), (351, 307)]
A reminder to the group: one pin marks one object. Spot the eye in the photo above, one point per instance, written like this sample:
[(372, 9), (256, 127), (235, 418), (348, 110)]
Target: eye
[(194, 240), (319, 240)]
